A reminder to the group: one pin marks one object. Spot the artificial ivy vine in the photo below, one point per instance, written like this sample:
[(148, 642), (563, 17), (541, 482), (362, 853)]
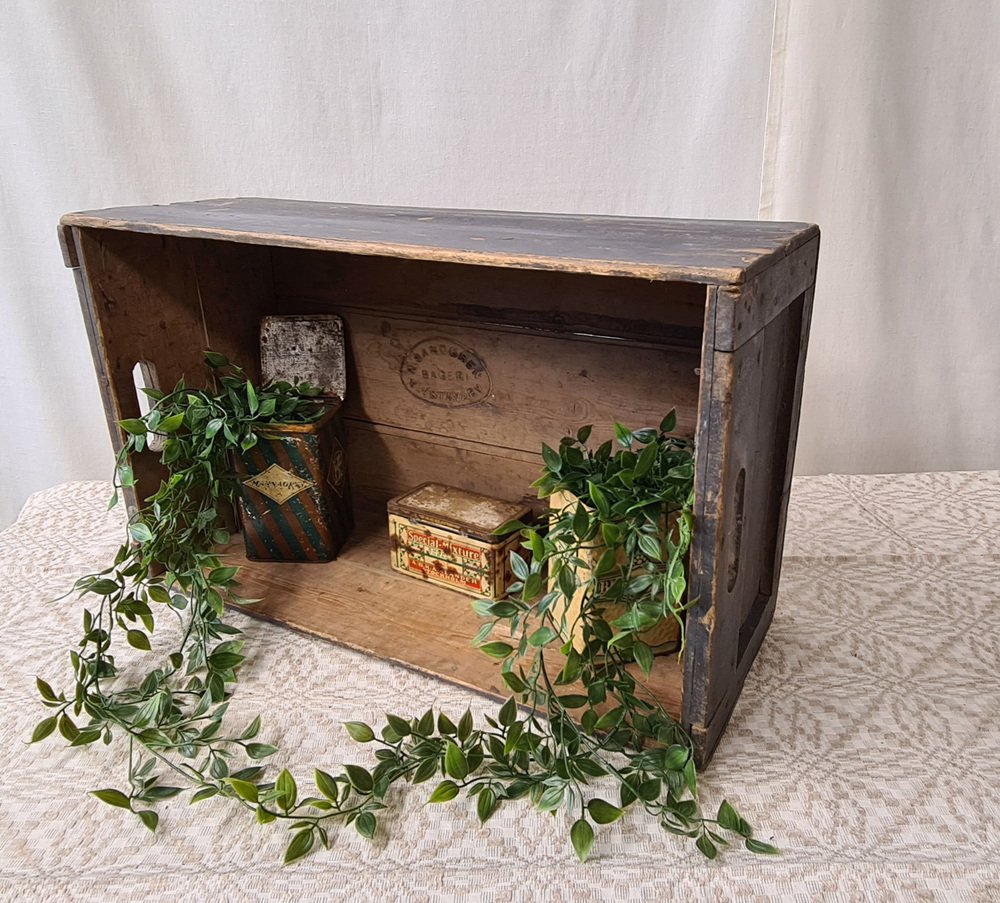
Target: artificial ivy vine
[(577, 714)]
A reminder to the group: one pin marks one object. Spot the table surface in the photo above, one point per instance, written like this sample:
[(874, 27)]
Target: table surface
[(866, 742)]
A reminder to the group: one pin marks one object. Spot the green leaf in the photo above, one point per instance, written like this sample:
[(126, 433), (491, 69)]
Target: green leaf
[(602, 812), (758, 846), (222, 576), (650, 547), (366, 825), (669, 423), (623, 436), (728, 817), (497, 650), (44, 728), (582, 836), (551, 458), (542, 636), (170, 424), (359, 731), (112, 798), (583, 434), (138, 640), (400, 726), (162, 793), (599, 499), (606, 563), (204, 794), (508, 712), (244, 789), (455, 762), (135, 427), (676, 758), (707, 848), (445, 791), (103, 587), (67, 728), (300, 846), (551, 799), (360, 778), (215, 360), (646, 460), (486, 805), (445, 725), (149, 818), (581, 522), (519, 566), (260, 750), (287, 790), (253, 728), (465, 726), (643, 656), (46, 691), (140, 532), (326, 785), (252, 398)]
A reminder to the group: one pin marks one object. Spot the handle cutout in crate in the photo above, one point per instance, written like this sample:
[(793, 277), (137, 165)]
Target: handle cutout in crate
[(144, 377), (306, 348)]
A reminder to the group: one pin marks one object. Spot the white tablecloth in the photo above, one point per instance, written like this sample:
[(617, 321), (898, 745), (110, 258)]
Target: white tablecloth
[(866, 742)]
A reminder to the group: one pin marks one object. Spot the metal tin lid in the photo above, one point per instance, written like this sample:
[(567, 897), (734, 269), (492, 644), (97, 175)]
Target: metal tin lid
[(471, 513), (306, 348)]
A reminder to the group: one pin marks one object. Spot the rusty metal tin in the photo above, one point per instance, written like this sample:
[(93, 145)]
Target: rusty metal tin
[(447, 536), (295, 499)]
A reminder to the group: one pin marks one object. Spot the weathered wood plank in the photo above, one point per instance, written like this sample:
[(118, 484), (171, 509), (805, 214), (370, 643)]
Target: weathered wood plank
[(358, 601), (715, 251), (509, 388), (746, 309), (566, 303)]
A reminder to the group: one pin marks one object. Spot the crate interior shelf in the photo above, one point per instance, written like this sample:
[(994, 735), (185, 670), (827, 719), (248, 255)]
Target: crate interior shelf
[(358, 601), (575, 320)]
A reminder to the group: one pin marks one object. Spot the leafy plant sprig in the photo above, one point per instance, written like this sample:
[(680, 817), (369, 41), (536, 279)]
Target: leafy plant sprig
[(173, 717)]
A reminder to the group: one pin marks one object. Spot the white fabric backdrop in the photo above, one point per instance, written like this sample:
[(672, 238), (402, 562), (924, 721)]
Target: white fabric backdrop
[(876, 120)]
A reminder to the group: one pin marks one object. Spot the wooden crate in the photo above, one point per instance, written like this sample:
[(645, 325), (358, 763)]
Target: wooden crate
[(472, 338)]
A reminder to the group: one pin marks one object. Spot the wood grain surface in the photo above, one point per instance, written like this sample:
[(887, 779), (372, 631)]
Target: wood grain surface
[(358, 601), (714, 251)]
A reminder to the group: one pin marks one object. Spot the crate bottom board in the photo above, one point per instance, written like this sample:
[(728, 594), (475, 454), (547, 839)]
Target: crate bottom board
[(359, 602)]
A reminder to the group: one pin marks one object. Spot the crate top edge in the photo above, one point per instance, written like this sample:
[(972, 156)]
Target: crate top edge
[(720, 252)]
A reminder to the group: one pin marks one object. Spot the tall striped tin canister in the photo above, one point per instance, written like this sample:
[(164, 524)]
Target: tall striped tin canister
[(295, 501)]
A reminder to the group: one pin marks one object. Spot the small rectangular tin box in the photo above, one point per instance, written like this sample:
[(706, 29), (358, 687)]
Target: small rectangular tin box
[(295, 501), (448, 536)]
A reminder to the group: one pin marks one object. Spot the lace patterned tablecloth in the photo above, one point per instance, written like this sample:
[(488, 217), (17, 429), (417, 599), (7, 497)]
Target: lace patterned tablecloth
[(866, 742)]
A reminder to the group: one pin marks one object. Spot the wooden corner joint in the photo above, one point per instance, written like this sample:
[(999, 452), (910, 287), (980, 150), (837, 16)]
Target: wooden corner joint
[(67, 242)]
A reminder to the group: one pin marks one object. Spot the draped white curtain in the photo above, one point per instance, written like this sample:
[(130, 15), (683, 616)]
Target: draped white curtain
[(876, 120)]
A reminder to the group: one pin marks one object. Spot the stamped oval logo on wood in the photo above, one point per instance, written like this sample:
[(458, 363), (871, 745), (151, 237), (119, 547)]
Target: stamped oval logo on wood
[(445, 373)]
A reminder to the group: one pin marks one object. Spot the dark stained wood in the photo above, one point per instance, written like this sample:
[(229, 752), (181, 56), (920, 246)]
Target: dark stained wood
[(359, 602), (746, 441), (711, 251), (744, 310), (546, 301), (524, 335)]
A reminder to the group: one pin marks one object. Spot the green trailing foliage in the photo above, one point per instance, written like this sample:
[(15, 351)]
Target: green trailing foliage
[(550, 744)]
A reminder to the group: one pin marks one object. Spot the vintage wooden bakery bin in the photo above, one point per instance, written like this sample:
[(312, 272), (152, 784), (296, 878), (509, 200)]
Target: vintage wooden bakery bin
[(447, 536), (568, 320), (295, 501)]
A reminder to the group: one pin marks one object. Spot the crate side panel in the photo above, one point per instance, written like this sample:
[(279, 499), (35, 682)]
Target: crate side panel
[(165, 300), (753, 416)]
